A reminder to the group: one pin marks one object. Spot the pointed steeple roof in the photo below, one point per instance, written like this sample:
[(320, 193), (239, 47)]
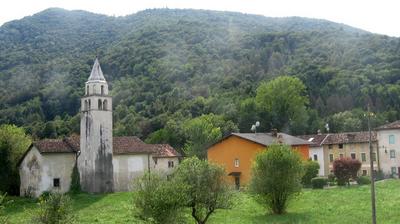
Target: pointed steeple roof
[(96, 74)]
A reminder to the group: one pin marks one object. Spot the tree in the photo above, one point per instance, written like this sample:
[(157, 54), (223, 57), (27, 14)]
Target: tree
[(277, 174), (310, 171), (157, 198), (205, 187), (284, 98), (202, 131), (13, 143), (344, 169)]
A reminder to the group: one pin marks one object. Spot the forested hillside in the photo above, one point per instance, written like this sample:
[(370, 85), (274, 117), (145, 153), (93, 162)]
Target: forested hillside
[(167, 68)]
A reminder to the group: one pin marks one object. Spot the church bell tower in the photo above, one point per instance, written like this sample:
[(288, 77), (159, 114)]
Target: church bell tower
[(96, 141)]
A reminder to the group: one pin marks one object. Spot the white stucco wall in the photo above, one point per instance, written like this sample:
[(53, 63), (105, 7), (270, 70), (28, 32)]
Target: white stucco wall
[(37, 172), (320, 158), (162, 164), (127, 167), (386, 162)]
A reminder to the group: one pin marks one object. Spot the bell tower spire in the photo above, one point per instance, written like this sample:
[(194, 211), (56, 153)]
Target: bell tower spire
[(95, 160)]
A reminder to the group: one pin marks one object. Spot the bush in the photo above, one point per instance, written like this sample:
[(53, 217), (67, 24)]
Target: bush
[(205, 187), (277, 174), (56, 208), (319, 182), (363, 180), (310, 171), (344, 169), (75, 186), (157, 199)]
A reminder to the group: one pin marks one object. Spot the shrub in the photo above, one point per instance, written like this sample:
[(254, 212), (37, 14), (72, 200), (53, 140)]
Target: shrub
[(75, 186), (344, 169), (319, 182), (157, 199), (277, 173), (310, 171), (205, 187), (363, 180), (55, 209)]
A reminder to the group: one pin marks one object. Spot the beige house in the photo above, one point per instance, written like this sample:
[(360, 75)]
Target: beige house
[(388, 136), (354, 145), (105, 163)]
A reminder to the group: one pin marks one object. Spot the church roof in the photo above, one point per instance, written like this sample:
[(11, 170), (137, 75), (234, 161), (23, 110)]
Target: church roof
[(121, 145), (96, 74)]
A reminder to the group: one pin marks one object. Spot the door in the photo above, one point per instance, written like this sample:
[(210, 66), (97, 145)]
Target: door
[(237, 182), (398, 171)]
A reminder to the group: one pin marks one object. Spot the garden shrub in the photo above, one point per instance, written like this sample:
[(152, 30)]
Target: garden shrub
[(277, 174), (3, 203), (344, 169), (310, 171), (56, 208), (364, 180), (205, 189), (156, 199), (319, 182), (75, 186)]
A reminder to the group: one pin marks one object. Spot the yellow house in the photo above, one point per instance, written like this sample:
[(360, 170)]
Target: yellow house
[(353, 145), (237, 151)]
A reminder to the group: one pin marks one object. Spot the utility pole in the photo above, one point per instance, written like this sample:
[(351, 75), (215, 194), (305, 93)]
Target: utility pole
[(371, 153)]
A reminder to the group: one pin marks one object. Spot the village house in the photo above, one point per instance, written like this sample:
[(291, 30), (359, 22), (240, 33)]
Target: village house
[(353, 145), (388, 137), (105, 163), (316, 152), (237, 151)]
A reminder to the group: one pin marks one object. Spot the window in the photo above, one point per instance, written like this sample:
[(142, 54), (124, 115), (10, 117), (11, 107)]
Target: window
[(89, 105), (315, 157), (364, 172), (363, 157), (393, 170), (330, 146), (56, 182), (100, 104), (236, 162), (105, 105), (391, 139), (340, 146), (86, 105), (374, 156), (170, 164), (155, 161), (102, 90), (87, 90), (330, 157), (341, 155), (392, 153), (353, 155)]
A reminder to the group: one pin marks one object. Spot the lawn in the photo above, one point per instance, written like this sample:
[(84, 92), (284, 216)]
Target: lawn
[(338, 205)]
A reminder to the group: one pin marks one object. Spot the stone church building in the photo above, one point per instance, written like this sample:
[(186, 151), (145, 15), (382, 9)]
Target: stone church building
[(105, 163)]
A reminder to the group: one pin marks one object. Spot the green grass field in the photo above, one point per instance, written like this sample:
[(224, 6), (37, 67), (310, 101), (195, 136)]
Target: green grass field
[(337, 205)]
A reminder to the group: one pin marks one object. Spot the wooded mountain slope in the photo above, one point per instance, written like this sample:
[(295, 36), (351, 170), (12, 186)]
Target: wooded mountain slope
[(168, 66)]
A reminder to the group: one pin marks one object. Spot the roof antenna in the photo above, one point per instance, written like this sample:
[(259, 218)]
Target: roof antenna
[(254, 127)]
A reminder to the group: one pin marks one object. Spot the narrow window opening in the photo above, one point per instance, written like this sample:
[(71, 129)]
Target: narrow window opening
[(89, 105), (56, 182), (237, 163), (102, 90), (100, 104), (87, 90), (315, 157)]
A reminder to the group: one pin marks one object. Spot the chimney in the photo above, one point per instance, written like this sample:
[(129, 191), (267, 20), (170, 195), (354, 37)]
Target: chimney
[(274, 132)]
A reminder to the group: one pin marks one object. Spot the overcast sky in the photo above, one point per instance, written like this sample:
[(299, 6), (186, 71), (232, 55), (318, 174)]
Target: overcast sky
[(378, 16)]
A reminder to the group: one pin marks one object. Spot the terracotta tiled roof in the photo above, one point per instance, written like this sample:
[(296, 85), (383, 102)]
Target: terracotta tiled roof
[(349, 137), (393, 125), (130, 144), (315, 140), (165, 150), (53, 145), (121, 145)]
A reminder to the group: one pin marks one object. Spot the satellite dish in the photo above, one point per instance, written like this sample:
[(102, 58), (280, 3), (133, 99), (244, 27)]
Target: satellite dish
[(257, 124), (253, 127)]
